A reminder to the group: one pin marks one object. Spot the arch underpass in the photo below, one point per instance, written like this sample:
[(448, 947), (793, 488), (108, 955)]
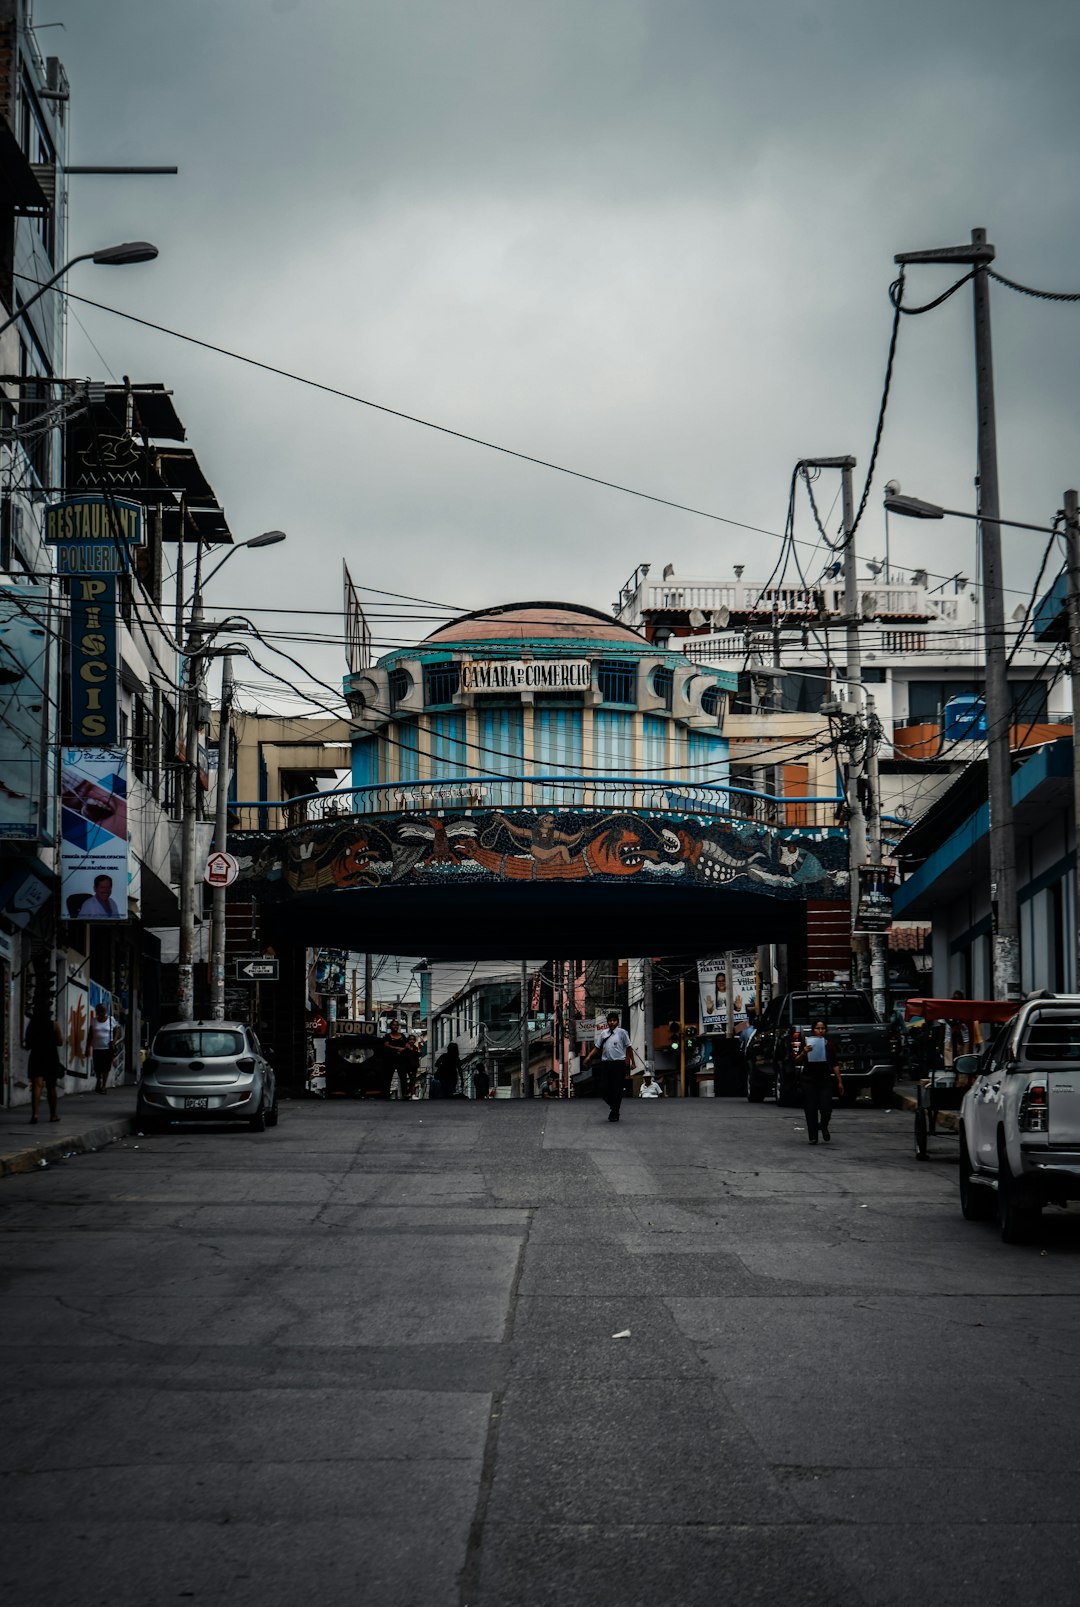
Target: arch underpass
[(592, 881)]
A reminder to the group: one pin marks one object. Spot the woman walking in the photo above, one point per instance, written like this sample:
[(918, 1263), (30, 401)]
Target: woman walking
[(818, 1070), (43, 1040)]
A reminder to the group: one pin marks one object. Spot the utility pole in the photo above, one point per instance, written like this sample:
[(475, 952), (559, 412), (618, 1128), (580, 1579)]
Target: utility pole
[(682, 1036), (221, 834), (879, 972), (1072, 559), (369, 1010), (647, 1011), (185, 999), (1004, 908), (524, 1005)]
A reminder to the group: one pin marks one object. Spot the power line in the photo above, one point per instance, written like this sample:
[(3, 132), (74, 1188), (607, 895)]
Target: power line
[(408, 418)]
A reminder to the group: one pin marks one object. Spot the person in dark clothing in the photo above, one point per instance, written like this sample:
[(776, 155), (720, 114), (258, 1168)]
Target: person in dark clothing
[(448, 1071), (818, 1072), (400, 1057), (43, 1040), (481, 1083)]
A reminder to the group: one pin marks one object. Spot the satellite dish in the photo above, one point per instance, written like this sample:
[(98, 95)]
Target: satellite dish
[(697, 619), (869, 604), (1019, 612), (722, 618)]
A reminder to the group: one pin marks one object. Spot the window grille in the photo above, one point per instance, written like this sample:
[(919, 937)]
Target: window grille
[(617, 680), (441, 682)]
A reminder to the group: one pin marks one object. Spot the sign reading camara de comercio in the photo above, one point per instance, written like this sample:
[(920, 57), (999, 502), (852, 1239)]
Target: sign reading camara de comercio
[(526, 675)]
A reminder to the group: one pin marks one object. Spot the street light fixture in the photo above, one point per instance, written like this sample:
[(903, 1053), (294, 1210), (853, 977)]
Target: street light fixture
[(269, 538), (118, 256)]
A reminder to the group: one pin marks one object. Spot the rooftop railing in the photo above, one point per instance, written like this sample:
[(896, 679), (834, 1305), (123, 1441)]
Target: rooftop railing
[(557, 794)]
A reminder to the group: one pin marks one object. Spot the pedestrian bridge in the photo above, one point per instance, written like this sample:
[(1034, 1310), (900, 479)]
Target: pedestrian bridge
[(468, 865)]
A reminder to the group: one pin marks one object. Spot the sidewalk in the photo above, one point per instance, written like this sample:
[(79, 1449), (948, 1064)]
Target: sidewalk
[(87, 1121)]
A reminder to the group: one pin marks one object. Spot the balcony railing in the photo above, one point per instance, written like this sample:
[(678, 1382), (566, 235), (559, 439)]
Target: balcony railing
[(556, 794)]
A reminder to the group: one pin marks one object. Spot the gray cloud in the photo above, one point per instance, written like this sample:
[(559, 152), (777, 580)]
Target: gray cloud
[(648, 240)]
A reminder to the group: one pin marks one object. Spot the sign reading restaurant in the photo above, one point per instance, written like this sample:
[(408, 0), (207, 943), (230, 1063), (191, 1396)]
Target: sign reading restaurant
[(94, 518), (526, 675)]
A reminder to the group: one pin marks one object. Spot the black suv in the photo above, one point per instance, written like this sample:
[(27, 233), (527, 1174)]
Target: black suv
[(865, 1047)]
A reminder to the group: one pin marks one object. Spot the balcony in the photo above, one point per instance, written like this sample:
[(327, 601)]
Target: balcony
[(554, 794)]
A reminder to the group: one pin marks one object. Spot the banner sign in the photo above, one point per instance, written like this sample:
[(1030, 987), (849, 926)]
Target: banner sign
[(712, 989), (875, 898), (94, 834), (94, 665), (94, 520), (24, 699), (526, 675)]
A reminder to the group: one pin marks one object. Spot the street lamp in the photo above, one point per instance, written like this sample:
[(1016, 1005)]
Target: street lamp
[(108, 257), (195, 654), (269, 538)]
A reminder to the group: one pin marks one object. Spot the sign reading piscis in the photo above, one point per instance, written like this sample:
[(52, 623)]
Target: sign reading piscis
[(526, 675)]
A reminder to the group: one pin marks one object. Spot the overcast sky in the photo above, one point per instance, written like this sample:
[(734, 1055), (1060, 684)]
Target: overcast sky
[(648, 240)]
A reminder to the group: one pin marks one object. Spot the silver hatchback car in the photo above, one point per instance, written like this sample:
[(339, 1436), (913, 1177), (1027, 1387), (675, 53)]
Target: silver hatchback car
[(207, 1071)]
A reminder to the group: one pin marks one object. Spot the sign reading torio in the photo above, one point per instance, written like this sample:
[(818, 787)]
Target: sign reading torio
[(526, 675)]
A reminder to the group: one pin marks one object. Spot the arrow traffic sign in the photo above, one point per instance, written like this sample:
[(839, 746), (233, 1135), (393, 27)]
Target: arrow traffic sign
[(256, 969)]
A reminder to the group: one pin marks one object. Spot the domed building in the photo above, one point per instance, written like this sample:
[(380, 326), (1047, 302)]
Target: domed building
[(535, 703)]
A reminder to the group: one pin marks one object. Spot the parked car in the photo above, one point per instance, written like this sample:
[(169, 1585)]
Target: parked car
[(207, 1071), (1020, 1119), (865, 1047)]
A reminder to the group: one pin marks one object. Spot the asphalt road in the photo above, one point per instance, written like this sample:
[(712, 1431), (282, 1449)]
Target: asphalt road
[(374, 1357)]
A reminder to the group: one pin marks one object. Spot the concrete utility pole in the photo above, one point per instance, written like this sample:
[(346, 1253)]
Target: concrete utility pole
[(221, 836), (879, 970), (1072, 559), (185, 992), (1004, 908), (524, 1002)]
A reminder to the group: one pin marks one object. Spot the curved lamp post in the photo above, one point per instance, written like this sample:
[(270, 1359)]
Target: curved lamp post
[(108, 257)]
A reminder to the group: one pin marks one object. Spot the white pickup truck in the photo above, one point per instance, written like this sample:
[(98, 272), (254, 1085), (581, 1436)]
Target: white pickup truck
[(1020, 1119)]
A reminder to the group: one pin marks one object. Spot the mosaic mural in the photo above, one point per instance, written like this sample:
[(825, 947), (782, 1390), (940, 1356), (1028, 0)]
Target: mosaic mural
[(530, 845)]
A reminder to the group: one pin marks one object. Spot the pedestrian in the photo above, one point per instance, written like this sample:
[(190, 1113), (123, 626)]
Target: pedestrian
[(955, 1037), (481, 1083), (616, 1057), (398, 1057), (818, 1071), (551, 1088), (448, 1071), (43, 1040), (650, 1088), (101, 1045)]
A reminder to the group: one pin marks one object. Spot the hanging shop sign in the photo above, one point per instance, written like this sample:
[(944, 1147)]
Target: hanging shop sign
[(94, 535), (94, 668), (25, 673), (526, 675), (27, 890), (713, 991), (94, 834), (875, 898)]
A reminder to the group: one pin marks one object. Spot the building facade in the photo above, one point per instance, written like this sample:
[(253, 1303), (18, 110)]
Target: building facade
[(535, 704)]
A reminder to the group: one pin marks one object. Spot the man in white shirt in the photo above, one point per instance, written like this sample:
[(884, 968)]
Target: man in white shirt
[(100, 1039), (650, 1088), (616, 1058)]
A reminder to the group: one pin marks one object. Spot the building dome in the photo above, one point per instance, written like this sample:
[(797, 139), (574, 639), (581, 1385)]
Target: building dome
[(521, 622)]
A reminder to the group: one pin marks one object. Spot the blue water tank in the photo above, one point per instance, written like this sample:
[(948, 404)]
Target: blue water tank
[(965, 718)]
